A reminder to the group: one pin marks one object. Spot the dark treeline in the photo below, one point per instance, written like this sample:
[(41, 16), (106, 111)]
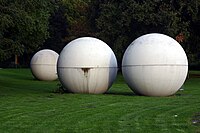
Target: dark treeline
[(31, 25)]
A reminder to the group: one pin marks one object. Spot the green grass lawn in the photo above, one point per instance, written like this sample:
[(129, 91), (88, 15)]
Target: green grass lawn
[(28, 105)]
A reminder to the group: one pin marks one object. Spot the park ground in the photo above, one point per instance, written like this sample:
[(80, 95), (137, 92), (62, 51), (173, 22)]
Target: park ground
[(28, 105)]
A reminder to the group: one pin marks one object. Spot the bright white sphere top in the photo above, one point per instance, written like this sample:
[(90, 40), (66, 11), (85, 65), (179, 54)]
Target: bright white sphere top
[(87, 52), (154, 49), (45, 57)]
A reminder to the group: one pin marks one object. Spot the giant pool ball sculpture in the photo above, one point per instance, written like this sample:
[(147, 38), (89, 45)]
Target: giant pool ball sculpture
[(44, 65), (155, 65), (87, 65)]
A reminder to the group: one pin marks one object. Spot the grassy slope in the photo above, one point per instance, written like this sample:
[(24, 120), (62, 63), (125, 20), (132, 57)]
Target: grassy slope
[(28, 105)]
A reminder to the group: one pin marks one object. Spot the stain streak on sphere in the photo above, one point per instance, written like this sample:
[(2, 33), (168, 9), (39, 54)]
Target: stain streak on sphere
[(155, 65), (87, 65), (43, 65)]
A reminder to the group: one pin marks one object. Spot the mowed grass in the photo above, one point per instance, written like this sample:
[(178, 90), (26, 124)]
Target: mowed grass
[(28, 105)]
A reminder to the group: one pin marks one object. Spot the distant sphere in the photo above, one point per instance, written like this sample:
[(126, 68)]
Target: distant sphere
[(155, 65), (44, 65), (87, 65)]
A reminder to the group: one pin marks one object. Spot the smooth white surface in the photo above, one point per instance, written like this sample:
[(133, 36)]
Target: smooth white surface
[(155, 65), (43, 65), (87, 65)]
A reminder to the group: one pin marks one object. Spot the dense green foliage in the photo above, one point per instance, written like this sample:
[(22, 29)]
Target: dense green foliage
[(69, 21), (120, 22), (27, 26), (23, 26), (28, 105)]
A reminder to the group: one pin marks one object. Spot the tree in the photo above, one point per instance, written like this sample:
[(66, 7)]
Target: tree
[(23, 26), (120, 22), (57, 29), (191, 13), (71, 20), (78, 19)]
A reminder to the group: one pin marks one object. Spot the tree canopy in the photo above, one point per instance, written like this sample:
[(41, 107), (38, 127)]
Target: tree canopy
[(119, 23), (23, 26), (27, 26)]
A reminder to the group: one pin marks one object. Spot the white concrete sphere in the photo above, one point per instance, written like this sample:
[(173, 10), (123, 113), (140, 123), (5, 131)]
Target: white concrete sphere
[(155, 65), (44, 65), (87, 65)]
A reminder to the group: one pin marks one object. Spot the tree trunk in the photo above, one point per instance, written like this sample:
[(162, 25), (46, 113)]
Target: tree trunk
[(16, 61)]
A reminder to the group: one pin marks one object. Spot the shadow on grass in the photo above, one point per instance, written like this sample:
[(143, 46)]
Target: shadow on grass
[(178, 94), (121, 93), (182, 95), (60, 90)]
